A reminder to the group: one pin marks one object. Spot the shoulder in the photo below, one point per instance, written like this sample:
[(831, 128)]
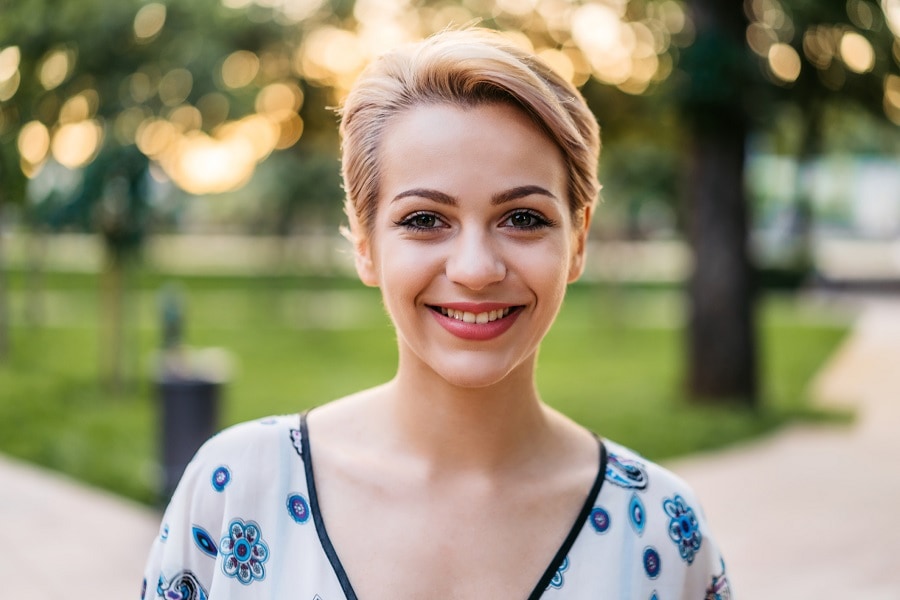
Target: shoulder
[(241, 458), (654, 520), (252, 440), (627, 469)]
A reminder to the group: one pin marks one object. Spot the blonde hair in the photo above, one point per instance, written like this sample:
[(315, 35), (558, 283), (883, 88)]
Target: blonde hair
[(465, 68)]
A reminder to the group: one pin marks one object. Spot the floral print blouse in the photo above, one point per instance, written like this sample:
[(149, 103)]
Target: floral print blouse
[(244, 523)]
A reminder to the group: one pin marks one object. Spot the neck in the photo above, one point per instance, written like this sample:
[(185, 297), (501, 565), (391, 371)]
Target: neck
[(454, 428)]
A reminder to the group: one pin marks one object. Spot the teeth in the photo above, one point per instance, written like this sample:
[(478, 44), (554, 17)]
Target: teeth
[(469, 317)]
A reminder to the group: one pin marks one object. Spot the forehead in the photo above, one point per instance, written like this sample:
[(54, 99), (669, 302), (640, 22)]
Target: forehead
[(459, 148)]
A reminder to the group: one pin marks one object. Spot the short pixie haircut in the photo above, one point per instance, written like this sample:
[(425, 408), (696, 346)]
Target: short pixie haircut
[(465, 68)]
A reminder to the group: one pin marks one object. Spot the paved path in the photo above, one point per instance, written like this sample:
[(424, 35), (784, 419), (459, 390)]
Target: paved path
[(809, 512), (814, 510), (65, 541)]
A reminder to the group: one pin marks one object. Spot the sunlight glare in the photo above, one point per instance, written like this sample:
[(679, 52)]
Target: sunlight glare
[(9, 62), (76, 144), (34, 142), (857, 53), (149, 21), (79, 107), (175, 86), (56, 67), (240, 69), (9, 87), (784, 62), (891, 10)]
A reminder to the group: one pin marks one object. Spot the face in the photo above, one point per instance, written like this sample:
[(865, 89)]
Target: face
[(473, 242)]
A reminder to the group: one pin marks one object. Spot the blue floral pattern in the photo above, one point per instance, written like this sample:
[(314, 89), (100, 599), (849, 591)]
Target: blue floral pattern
[(652, 562), (557, 581), (298, 508), (600, 519), (720, 588), (183, 586), (221, 477), (297, 441), (625, 472), (244, 552), (684, 529), (637, 515), (204, 541)]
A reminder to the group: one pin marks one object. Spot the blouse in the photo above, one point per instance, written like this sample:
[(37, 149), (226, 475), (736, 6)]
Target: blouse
[(244, 523)]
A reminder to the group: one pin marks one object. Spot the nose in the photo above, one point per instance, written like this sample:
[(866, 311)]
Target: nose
[(475, 261)]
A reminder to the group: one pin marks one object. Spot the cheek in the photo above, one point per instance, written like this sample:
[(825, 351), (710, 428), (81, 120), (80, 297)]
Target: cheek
[(543, 268)]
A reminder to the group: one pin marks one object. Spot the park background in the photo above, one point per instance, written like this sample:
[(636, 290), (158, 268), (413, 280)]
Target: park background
[(170, 198)]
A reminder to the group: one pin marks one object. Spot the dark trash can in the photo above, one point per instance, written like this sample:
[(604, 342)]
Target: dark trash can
[(189, 416)]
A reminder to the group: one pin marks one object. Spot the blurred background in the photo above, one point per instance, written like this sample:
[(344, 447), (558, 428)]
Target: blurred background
[(170, 203)]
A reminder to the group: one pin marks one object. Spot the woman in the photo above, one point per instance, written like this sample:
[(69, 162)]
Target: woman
[(470, 171)]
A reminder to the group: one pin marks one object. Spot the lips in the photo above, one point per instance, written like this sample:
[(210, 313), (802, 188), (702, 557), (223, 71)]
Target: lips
[(477, 322)]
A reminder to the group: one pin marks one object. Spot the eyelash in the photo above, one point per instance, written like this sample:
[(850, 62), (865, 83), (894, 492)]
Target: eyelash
[(540, 221), (409, 222)]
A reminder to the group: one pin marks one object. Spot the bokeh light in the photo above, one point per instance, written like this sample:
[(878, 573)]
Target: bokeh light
[(892, 98), (9, 62), (9, 87), (79, 107), (239, 69), (75, 145), (253, 110), (56, 67), (891, 10), (175, 86), (149, 21), (34, 142), (784, 62), (857, 53)]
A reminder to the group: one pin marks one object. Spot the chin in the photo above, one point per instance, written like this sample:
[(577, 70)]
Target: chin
[(476, 372)]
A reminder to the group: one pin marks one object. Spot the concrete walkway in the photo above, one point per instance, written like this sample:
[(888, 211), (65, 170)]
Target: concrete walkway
[(809, 512), (814, 510), (68, 541)]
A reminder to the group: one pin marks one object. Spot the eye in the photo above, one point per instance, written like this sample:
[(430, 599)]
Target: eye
[(421, 221), (526, 220)]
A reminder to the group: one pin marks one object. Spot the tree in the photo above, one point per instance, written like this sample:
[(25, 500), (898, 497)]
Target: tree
[(80, 81), (810, 56), (721, 325)]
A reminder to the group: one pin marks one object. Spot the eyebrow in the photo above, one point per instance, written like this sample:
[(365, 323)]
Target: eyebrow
[(515, 193)]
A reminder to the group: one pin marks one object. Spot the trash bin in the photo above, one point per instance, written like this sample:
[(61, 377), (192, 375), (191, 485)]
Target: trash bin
[(189, 385), (189, 415)]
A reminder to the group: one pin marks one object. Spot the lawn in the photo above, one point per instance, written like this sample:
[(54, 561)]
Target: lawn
[(612, 362)]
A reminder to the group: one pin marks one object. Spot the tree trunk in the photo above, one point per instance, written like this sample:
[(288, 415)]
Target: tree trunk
[(721, 343), (722, 346)]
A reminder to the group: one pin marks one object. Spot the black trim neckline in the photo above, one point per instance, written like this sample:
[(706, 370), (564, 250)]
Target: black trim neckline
[(580, 520), (338, 567), (327, 546)]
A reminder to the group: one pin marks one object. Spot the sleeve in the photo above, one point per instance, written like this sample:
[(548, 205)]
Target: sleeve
[(704, 574), (182, 559)]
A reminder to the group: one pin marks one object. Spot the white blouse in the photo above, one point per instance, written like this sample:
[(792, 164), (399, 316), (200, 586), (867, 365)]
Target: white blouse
[(244, 523)]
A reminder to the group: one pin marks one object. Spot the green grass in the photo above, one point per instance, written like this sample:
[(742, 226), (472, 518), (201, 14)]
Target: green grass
[(612, 362)]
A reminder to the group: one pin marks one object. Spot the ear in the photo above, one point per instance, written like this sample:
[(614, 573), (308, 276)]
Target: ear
[(576, 261), (365, 263)]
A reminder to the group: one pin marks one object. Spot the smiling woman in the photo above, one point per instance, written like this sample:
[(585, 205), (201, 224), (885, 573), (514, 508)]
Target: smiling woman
[(470, 170)]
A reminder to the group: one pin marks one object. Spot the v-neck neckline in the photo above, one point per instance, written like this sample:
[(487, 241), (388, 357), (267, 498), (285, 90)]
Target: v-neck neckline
[(542, 583)]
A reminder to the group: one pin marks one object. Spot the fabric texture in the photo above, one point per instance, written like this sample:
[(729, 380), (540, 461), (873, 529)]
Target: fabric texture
[(243, 524)]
